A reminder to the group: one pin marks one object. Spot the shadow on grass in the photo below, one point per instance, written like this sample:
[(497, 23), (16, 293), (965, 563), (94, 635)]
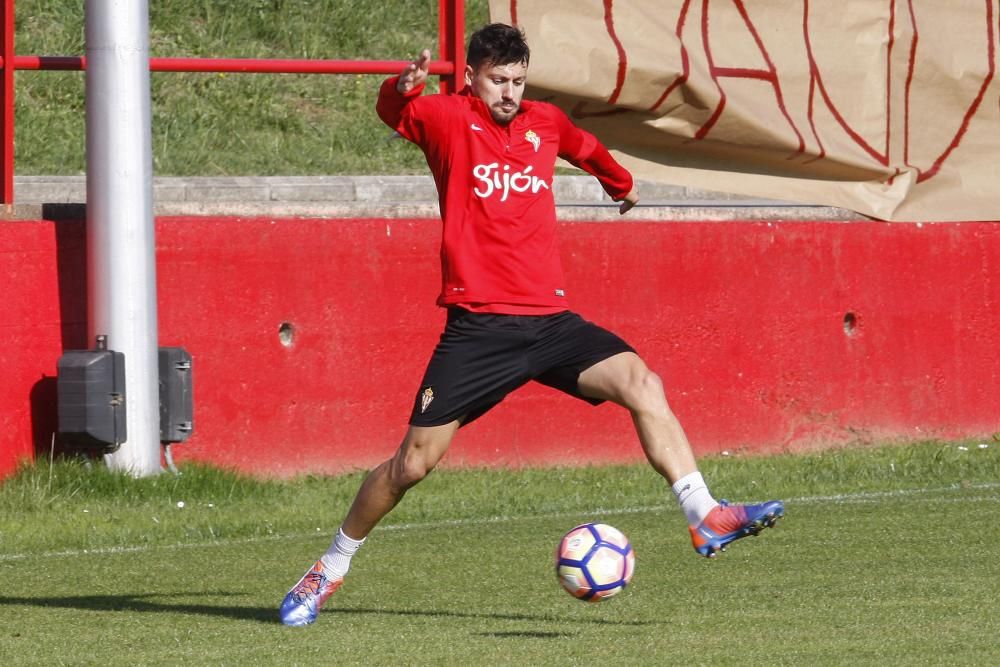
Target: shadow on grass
[(495, 616), (148, 604), (525, 635)]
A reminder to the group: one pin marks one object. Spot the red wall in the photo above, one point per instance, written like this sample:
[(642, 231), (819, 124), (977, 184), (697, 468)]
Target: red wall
[(744, 321)]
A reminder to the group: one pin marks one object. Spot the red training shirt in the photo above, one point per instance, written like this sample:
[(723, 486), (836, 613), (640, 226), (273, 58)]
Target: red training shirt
[(499, 251)]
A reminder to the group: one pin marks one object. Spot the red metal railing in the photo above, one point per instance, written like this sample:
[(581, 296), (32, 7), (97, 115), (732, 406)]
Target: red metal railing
[(450, 67), (7, 105)]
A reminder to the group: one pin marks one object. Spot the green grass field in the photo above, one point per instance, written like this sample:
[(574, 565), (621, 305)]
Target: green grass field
[(235, 124), (887, 556)]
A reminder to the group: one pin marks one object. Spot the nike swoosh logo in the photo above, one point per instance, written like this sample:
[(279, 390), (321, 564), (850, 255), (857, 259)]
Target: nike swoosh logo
[(476, 127)]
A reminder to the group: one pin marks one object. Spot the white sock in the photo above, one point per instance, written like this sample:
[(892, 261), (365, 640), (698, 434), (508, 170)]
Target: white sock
[(693, 495), (337, 559)]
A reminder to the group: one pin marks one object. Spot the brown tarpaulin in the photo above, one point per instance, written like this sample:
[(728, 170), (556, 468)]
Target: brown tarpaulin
[(886, 107)]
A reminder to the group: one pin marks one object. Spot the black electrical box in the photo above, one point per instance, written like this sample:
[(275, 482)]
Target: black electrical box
[(91, 397), (176, 395)]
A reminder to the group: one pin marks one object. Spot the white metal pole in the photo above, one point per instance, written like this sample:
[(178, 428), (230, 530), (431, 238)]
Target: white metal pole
[(121, 244)]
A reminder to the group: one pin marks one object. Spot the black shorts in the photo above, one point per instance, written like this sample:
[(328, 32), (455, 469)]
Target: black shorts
[(482, 357)]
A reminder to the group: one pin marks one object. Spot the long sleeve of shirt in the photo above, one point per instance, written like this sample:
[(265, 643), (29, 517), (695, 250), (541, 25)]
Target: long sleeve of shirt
[(391, 103), (582, 149)]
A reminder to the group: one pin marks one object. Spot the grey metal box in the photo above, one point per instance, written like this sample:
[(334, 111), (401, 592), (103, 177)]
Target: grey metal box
[(91, 398), (176, 395)]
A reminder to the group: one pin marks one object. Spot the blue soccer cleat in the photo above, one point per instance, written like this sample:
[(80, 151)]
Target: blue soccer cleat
[(728, 523), (302, 604)]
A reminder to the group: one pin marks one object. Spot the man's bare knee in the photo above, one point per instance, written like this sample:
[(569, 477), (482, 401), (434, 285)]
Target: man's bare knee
[(643, 392), (407, 470), (418, 455)]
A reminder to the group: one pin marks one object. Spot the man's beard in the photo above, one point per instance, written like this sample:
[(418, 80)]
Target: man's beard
[(503, 117)]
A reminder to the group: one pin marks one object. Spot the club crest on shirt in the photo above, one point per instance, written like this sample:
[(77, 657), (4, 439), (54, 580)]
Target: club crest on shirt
[(533, 139), (425, 399)]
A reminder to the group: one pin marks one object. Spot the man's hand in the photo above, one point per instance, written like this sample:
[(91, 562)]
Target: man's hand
[(415, 73), (630, 200)]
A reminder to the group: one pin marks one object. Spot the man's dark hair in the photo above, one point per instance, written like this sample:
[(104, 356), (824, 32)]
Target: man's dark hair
[(497, 44)]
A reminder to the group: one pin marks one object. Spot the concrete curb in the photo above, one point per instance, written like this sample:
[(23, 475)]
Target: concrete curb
[(577, 198)]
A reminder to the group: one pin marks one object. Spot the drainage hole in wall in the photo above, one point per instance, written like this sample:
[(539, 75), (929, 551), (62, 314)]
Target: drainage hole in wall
[(850, 324), (286, 334)]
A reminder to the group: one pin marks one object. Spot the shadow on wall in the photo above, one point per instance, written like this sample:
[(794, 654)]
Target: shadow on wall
[(71, 265)]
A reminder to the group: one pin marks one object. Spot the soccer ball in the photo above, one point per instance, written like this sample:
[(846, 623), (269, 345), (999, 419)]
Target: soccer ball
[(594, 562)]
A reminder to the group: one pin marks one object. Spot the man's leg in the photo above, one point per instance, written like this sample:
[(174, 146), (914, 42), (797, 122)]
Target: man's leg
[(624, 379), (419, 452)]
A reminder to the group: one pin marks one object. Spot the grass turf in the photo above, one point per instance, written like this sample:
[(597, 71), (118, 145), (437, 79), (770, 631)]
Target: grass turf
[(207, 124), (887, 556)]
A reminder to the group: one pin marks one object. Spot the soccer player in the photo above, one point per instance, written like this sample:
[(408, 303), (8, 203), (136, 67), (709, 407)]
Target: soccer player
[(493, 156)]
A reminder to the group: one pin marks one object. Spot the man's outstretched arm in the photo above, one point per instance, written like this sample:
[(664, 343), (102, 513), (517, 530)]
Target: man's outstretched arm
[(582, 149), (398, 91), (415, 74)]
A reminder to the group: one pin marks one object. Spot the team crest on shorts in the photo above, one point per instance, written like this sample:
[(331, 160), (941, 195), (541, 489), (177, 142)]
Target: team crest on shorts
[(425, 399)]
